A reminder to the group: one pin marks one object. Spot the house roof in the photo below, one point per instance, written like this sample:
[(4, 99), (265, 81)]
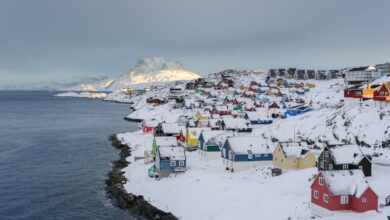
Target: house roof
[(241, 145), (215, 122), (294, 150), (221, 108), (345, 182), (172, 153), (165, 141), (346, 154), (259, 114), (235, 123), (214, 137), (151, 123), (172, 128)]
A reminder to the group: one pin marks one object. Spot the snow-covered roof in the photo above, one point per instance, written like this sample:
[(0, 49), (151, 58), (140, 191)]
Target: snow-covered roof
[(210, 136), (172, 128), (260, 114), (235, 123), (151, 123), (215, 122), (294, 151), (345, 182), (346, 154), (221, 108), (241, 145), (165, 141), (172, 153)]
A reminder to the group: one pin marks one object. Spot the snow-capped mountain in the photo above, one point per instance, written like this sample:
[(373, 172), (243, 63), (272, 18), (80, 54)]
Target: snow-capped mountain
[(145, 72)]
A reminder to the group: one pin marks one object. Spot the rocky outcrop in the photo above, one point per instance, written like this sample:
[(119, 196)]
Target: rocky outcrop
[(124, 200)]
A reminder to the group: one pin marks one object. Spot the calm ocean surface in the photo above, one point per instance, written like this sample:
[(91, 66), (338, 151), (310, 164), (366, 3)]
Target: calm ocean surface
[(55, 154)]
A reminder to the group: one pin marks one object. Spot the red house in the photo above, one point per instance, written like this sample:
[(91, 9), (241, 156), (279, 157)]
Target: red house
[(353, 92), (148, 126), (383, 93), (220, 110), (340, 191)]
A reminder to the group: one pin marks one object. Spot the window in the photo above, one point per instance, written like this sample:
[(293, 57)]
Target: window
[(325, 198), (181, 163), (361, 167), (364, 200), (344, 200), (275, 158), (316, 194), (330, 166), (294, 161), (173, 163), (321, 181), (223, 153), (326, 153), (345, 167)]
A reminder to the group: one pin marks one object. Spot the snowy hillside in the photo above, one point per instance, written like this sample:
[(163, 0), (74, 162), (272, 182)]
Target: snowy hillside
[(146, 72)]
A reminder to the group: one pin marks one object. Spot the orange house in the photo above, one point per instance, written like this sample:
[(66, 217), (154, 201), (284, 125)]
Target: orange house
[(368, 92), (383, 93)]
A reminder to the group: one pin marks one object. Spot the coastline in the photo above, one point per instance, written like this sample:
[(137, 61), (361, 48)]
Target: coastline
[(122, 198)]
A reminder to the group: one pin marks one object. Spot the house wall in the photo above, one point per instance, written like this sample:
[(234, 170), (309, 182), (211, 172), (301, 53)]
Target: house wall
[(212, 148), (309, 160), (281, 161), (371, 201)]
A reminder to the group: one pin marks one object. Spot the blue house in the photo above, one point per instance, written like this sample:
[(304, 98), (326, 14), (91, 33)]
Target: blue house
[(170, 160), (297, 110), (259, 117), (246, 152)]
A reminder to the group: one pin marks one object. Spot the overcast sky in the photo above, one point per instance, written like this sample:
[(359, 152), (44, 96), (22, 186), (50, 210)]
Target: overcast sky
[(62, 40)]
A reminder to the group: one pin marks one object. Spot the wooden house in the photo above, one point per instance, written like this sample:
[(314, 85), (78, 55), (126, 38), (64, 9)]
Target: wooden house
[(382, 94), (220, 110), (215, 123), (246, 152), (192, 135), (344, 157), (293, 156), (169, 129), (202, 115), (274, 109), (210, 143), (148, 126), (353, 92), (235, 124), (170, 160), (340, 191), (261, 116), (163, 141)]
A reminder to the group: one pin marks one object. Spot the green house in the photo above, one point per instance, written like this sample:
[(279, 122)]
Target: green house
[(210, 141), (163, 141)]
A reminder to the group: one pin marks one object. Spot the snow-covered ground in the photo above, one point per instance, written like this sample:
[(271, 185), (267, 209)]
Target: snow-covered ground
[(207, 191), (93, 95)]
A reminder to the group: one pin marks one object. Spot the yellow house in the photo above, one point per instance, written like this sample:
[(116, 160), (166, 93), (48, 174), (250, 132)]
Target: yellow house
[(368, 91), (293, 156), (310, 85), (202, 116), (192, 135)]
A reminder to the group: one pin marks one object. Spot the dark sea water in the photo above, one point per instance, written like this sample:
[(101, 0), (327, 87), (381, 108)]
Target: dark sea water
[(55, 154)]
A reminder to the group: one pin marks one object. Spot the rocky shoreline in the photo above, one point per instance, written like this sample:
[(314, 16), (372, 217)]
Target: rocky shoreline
[(121, 198)]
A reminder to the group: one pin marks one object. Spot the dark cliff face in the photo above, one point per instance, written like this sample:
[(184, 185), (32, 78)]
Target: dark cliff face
[(121, 198)]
